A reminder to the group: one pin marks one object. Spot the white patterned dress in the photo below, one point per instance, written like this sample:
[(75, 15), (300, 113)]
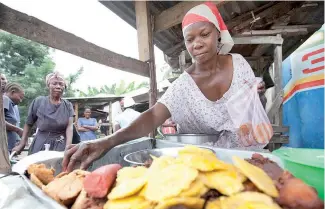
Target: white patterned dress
[(195, 114)]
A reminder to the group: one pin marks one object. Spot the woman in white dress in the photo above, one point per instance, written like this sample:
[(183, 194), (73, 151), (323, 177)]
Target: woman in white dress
[(196, 100)]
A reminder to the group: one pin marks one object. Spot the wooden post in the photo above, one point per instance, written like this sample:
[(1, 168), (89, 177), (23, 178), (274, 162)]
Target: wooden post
[(145, 24), (110, 116), (4, 154), (278, 80), (76, 111), (182, 61)]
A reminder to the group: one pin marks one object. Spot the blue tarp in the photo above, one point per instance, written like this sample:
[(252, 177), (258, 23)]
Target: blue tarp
[(303, 81)]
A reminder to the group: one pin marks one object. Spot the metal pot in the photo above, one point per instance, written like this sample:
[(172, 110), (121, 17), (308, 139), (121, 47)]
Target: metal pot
[(197, 139), (139, 158)]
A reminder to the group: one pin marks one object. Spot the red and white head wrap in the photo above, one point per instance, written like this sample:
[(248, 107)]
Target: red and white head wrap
[(208, 12)]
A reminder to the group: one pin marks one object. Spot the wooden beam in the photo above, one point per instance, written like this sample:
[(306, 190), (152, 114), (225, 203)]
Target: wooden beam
[(276, 10), (182, 61), (76, 112), (275, 106), (294, 47), (176, 49), (283, 32), (278, 80), (280, 129), (143, 24), (248, 15), (110, 116), (310, 26), (144, 20), (174, 15), (258, 40), (253, 58), (283, 21), (36, 30)]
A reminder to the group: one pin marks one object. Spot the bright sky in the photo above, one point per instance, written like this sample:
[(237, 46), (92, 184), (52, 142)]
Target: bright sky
[(95, 23)]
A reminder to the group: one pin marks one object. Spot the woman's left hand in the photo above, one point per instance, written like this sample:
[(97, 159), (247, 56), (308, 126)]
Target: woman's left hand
[(261, 88)]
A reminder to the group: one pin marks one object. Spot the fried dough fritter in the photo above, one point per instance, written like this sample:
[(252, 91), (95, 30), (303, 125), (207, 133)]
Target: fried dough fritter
[(45, 175)]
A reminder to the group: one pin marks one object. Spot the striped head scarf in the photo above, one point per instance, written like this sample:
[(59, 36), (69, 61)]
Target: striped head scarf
[(208, 12), (50, 76)]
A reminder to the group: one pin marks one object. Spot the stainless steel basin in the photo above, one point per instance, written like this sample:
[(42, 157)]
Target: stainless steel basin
[(197, 139), (140, 157)]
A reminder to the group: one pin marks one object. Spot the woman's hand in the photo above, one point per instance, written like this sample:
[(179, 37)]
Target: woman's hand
[(261, 88), (20, 131), (85, 153), (18, 148)]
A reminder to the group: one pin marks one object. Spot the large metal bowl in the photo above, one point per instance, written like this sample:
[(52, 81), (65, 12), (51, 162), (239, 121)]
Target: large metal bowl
[(197, 139), (140, 157)]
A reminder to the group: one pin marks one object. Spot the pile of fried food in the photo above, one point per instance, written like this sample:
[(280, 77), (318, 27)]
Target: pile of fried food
[(195, 179)]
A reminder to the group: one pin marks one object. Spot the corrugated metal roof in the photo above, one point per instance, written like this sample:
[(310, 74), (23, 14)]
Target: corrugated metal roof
[(299, 13)]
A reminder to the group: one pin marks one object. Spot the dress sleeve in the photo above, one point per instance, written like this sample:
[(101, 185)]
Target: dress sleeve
[(71, 111), (95, 122), (32, 111), (79, 122), (5, 103)]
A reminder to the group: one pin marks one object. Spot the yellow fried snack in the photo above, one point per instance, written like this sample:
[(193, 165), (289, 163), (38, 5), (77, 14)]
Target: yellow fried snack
[(45, 175), (226, 182), (256, 205), (169, 182), (188, 202), (202, 162), (261, 180), (214, 204), (133, 202), (161, 162), (143, 191), (241, 176), (197, 189), (188, 149), (127, 188), (61, 174), (31, 168), (36, 181), (248, 200), (130, 173)]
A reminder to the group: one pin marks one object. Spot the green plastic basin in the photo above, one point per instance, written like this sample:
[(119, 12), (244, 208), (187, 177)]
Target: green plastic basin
[(305, 164)]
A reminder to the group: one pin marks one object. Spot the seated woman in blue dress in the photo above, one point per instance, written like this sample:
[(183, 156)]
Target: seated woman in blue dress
[(87, 126)]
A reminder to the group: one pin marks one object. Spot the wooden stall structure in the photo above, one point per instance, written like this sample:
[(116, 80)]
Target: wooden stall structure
[(95, 104), (256, 26)]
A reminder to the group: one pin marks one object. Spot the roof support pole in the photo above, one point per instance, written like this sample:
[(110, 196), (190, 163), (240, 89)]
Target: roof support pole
[(275, 111), (110, 131), (145, 23), (278, 81), (4, 155)]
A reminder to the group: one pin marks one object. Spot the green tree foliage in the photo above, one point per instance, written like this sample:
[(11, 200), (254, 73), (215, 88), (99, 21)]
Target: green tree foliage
[(72, 79), (16, 53), (28, 63), (116, 89)]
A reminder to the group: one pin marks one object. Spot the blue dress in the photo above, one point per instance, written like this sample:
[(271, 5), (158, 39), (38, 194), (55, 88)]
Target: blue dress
[(88, 135), (11, 117)]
